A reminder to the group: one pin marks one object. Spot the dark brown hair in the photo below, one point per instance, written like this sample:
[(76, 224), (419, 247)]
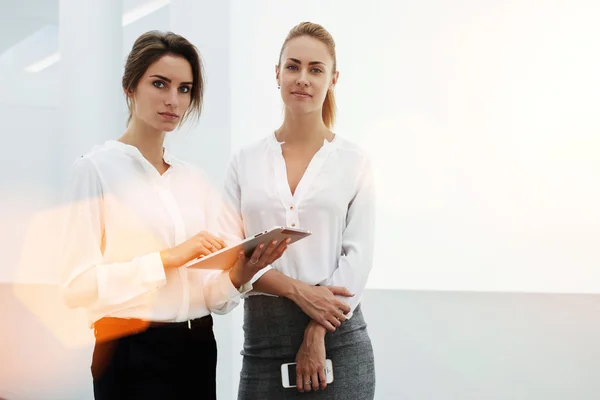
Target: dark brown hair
[(316, 31), (149, 48)]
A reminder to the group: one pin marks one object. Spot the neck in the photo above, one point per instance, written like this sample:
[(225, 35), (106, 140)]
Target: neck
[(303, 129), (148, 141)]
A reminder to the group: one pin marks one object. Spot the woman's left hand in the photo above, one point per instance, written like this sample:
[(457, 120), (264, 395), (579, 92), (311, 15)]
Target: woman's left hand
[(310, 360)]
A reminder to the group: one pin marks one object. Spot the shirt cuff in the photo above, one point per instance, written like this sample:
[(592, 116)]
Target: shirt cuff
[(245, 288), (231, 291), (153, 271), (260, 273), (120, 282)]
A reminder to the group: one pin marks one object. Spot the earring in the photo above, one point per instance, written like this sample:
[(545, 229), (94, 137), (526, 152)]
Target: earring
[(278, 87)]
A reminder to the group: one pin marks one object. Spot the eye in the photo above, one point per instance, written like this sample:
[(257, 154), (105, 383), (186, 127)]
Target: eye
[(292, 66), (316, 70), (159, 84), (185, 89)]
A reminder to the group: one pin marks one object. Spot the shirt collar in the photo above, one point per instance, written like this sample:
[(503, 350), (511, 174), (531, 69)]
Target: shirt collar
[(134, 152), (276, 145)]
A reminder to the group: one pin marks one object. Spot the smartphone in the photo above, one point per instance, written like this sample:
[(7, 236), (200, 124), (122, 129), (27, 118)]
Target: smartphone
[(288, 374)]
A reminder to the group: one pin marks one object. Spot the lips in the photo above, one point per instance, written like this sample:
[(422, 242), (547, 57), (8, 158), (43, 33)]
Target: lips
[(301, 94), (169, 116)]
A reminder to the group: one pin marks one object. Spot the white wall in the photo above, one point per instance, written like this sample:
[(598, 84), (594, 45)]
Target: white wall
[(428, 346), (481, 120), (32, 177), (485, 148), (37, 151)]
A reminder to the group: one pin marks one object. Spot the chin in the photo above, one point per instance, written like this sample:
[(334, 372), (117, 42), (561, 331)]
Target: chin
[(299, 104), (301, 108), (167, 126)]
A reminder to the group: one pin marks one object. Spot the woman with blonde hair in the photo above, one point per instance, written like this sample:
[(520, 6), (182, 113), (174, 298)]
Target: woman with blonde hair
[(305, 307)]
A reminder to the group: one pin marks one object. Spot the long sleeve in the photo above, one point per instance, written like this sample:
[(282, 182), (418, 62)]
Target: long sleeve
[(358, 236), (231, 219), (86, 281), (220, 295)]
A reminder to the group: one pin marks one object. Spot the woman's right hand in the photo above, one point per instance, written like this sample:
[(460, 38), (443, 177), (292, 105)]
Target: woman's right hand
[(245, 268), (321, 305), (201, 244)]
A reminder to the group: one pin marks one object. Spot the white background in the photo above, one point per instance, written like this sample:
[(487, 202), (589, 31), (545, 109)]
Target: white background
[(481, 118)]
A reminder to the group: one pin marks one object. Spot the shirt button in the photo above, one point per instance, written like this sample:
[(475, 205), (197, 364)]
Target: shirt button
[(293, 225), (291, 207)]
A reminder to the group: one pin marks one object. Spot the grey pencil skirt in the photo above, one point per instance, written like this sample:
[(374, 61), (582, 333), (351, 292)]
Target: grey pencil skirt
[(273, 332)]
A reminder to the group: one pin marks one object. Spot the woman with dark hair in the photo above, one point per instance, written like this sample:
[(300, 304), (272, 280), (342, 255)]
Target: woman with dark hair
[(138, 216)]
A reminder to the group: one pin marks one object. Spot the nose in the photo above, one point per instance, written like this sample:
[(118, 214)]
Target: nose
[(302, 79), (172, 99)]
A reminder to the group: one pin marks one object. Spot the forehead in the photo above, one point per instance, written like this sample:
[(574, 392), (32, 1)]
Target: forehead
[(307, 49), (173, 67)]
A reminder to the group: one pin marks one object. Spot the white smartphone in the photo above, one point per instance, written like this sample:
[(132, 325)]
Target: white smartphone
[(288, 374)]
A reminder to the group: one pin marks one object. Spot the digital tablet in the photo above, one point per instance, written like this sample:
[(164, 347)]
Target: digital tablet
[(224, 258)]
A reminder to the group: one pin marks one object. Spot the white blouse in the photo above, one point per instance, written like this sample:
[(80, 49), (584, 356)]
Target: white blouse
[(121, 214), (334, 200)]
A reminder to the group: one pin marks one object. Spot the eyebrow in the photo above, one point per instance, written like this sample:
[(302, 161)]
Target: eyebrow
[(164, 78), (310, 63)]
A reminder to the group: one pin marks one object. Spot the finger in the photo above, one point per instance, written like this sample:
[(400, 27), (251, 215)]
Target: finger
[(322, 378), (345, 308), (340, 291), (307, 383), (215, 242), (202, 248), (327, 325), (338, 315), (299, 381), (334, 321), (204, 242), (283, 244), (275, 256), (256, 253), (238, 264), (219, 240), (264, 257), (315, 380), (278, 252)]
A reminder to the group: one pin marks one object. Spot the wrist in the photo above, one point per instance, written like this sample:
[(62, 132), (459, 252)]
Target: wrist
[(234, 279), (295, 290), (177, 256), (315, 330), (168, 258)]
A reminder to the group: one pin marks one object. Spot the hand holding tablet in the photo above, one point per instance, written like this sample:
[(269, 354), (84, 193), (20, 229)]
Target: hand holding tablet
[(226, 257), (263, 255)]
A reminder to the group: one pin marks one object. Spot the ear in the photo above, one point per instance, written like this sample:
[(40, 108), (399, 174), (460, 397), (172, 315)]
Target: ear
[(128, 93), (334, 79), (277, 70)]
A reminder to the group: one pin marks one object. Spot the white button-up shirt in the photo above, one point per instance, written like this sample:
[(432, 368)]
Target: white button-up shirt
[(121, 214), (334, 200)]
